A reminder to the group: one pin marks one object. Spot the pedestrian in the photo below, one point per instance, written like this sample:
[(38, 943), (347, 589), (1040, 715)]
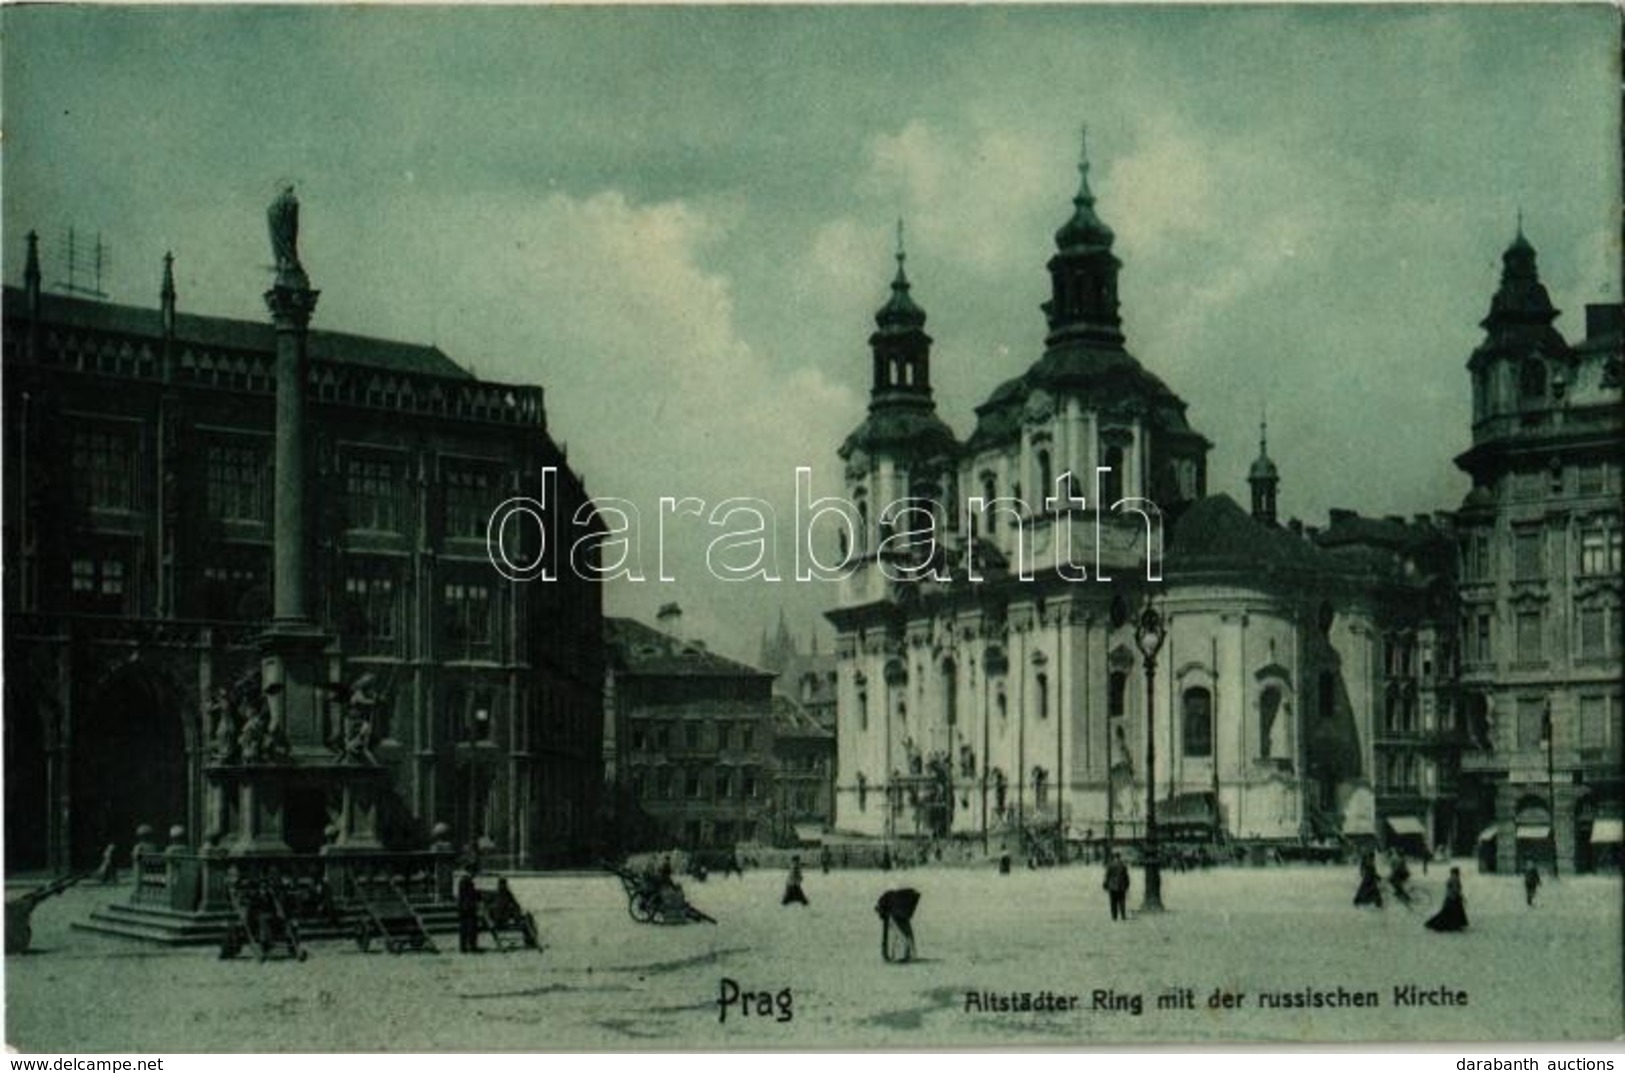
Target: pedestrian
[(896, 909), (107, 870), (1452, 916), (468, 913), (1370, 890), (825, 859), (1116, 887), (1531, 883), (792, 884)]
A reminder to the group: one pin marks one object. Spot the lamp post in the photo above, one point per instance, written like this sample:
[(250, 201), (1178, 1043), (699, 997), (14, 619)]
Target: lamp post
[(1148, 636), (1551, 782)]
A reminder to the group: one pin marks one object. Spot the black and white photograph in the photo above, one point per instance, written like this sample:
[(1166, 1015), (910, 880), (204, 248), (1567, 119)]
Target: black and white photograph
[(794, 528)]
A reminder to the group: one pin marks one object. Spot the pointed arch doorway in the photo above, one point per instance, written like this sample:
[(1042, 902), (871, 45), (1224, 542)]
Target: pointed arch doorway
[(128, 764)]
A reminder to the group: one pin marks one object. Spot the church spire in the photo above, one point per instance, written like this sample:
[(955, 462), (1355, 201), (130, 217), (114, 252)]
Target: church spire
[(166, 294), (902, 350), (1264, 477), (31, 276), (1521, 298), (1083, 272)]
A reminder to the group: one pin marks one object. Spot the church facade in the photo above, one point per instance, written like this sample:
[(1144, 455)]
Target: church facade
[(991, 684)]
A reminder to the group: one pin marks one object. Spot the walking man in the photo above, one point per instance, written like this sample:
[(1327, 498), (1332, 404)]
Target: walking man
[(1116, 887), (468, 914), (1531, 883)]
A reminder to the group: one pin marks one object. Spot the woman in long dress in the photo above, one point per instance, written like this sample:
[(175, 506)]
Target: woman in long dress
[(1452, 915), (1370, 892)]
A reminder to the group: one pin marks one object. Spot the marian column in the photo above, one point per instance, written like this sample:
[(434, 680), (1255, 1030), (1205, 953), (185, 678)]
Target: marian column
[(291, 301), (293, 645)]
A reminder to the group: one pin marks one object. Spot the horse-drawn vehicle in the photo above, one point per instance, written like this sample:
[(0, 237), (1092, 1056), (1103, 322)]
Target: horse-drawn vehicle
[(655, 899)]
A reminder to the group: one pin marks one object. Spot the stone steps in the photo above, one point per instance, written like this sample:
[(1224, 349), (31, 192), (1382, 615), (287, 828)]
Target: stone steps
[(170, 927)]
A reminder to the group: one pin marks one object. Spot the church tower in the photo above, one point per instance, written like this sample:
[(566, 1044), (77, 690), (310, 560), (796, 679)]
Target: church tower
[(1083, 272), (1264, 479), (903, 449)]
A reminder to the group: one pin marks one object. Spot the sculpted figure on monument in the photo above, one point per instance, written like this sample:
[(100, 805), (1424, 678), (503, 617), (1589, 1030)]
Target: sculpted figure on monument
[(223, 719), (283, 218)]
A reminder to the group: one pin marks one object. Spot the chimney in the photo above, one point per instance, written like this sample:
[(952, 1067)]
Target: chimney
[(670, 617)]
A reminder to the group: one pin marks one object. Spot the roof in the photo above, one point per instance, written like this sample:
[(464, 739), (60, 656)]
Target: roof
[(1103, 374), (790, 720), (644, 650), (232, 334), (1214, 532), (903, 425)]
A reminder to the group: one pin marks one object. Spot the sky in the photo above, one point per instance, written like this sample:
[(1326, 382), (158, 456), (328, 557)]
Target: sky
[(680, 221)]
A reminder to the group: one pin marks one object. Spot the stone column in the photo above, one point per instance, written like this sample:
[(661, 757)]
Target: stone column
[(291, 304)]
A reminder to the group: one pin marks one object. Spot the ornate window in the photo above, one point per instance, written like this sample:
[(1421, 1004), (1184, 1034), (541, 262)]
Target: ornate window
[(372, 494), (1528, 555), (470, 499), (1197, 721), (104, 462), (1530, 646), (468, 612), (1116, 694), (237, 482), (370, 617)]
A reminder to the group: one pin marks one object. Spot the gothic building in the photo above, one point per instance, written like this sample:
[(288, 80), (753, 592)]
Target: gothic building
[(990, 683), (1540, 580), (139, 548)]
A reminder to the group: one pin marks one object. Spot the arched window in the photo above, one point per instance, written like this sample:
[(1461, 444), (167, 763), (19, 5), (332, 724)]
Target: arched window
[(863, 523), (1328, 694), (1045, 481), (863, 709), (1532, 379), (1043, 695), (1272, 726), (1112, 487), (950, 692), (1117, 694), (1198, 721)]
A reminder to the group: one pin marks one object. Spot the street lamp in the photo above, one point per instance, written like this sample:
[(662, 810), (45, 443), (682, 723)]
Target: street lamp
[(1551, 782), (1148, 637)]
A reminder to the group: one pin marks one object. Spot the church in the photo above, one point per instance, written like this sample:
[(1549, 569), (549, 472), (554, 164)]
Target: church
[(1018, 689)]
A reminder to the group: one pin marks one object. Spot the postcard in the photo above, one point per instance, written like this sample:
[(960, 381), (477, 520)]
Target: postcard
[(811, 527)]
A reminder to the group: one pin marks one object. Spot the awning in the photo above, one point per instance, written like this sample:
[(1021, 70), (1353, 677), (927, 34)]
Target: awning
[(1407, 825), (1490, 833), (1531, 832), (1607, 831), (809, 832)]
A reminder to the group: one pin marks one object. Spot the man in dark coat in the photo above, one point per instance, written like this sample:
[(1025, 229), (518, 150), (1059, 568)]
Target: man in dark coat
[(1116, 887), (468, 914), (896, 909), (1531, 883)]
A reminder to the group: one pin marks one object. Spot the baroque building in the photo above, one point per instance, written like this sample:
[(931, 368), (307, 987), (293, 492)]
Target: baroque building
[(140, 551), (988, 680), (1540, 580), (694, 736)]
